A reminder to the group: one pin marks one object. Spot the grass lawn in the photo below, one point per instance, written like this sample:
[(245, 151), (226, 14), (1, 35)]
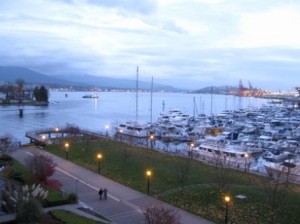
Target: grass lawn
[(68, 217), (188, 184)]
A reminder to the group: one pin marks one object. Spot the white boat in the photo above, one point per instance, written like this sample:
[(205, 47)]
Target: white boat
[(133, 129), (219, 152), (91, 96), (173, 116), (288, 170)]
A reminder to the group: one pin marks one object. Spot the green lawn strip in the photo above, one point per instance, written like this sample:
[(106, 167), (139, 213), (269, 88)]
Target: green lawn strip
[(20, 171), (127, 165), (68, 217), (206, 201)]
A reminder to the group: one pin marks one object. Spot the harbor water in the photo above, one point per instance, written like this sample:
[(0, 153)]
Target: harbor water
[(111, 108)]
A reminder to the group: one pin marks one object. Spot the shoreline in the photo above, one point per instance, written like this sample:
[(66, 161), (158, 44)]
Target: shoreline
[(24, 103)]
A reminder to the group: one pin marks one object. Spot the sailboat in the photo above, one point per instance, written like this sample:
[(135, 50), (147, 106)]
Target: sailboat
[(133, 128)]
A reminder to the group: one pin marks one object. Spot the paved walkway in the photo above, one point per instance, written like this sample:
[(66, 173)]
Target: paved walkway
[(123, 206)]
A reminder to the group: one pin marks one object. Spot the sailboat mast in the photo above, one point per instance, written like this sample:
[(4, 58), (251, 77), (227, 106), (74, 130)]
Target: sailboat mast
[(137, 94), (211, 101), (151, 101)]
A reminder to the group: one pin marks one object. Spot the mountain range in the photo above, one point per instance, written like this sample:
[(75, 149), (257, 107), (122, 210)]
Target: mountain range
[(10, 74)]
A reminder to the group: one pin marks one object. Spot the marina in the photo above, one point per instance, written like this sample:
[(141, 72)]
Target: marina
[(264, 140), (251, 131)]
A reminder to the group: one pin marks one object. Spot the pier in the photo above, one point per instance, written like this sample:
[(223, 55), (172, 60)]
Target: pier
[(40, 137)]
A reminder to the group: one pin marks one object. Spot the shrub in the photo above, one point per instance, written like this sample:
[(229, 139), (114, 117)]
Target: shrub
[(29, 211), (73, 198)]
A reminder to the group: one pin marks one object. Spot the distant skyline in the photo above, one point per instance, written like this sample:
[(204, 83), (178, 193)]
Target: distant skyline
[(186, 44)]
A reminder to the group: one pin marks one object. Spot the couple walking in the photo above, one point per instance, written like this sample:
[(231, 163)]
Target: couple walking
[(103, 191)]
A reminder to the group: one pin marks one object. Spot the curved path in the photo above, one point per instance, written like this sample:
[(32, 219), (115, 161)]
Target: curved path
[(124, 205)]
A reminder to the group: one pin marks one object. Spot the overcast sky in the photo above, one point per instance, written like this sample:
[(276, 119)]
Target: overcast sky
[(184, 43)]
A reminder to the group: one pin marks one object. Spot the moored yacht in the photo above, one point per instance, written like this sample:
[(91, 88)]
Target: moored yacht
[(133, 129), (226, 154)]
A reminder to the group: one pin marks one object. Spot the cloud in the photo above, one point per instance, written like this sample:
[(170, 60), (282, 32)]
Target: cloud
[(201, 43), (138, 6)]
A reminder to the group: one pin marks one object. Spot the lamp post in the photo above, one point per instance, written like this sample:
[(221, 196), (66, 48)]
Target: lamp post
[(191, 149), (148, 174), (246, 160), (99, 156), (43, 138), (106, 129), (151, 140), (67, 150), (121, 132), (227, 201)]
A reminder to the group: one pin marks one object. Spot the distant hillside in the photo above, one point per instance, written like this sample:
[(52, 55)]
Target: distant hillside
[(80, 82), (115, 83), (11, 74), (215, 89)]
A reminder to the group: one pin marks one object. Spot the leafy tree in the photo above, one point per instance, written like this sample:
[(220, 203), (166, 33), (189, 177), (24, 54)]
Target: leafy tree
[(41, 166), (44, 94)]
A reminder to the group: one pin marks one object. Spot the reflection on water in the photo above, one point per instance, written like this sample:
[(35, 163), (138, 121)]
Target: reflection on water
[(111, 108)]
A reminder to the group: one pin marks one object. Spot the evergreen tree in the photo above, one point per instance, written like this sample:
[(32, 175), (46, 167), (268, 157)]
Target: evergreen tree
[(41, 94)]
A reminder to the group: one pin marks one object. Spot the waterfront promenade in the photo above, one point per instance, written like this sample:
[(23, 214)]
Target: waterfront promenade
[(124, 205)]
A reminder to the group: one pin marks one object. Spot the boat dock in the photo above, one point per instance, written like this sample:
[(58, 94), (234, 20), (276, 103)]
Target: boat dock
[(40, 137)]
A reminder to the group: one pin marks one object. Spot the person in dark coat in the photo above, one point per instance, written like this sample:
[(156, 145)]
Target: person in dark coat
[(105, 193), (100, 193)]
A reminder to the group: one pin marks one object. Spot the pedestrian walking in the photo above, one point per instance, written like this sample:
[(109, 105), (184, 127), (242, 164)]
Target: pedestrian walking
[(100, 193), (105, 193)]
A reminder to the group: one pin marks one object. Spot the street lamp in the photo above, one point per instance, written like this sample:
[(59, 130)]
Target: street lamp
[(121, 132), (106, 129), (151, 140), (148, 174), (43, 137), (67, 150), (99, 156), (191, 149), (227, 201), (246, 160)]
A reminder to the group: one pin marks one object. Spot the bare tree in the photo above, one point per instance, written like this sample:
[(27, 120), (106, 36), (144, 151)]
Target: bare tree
[(223, 174), (158, 214), (72, 129), (183, 170), (125, 154), (20, 89), (276, 188), (42, 166), (8, 144)]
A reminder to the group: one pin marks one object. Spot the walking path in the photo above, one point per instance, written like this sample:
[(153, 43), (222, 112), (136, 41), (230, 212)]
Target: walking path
[(124, 205)]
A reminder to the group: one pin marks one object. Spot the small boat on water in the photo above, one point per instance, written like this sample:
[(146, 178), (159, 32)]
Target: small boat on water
[(90, 96)]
